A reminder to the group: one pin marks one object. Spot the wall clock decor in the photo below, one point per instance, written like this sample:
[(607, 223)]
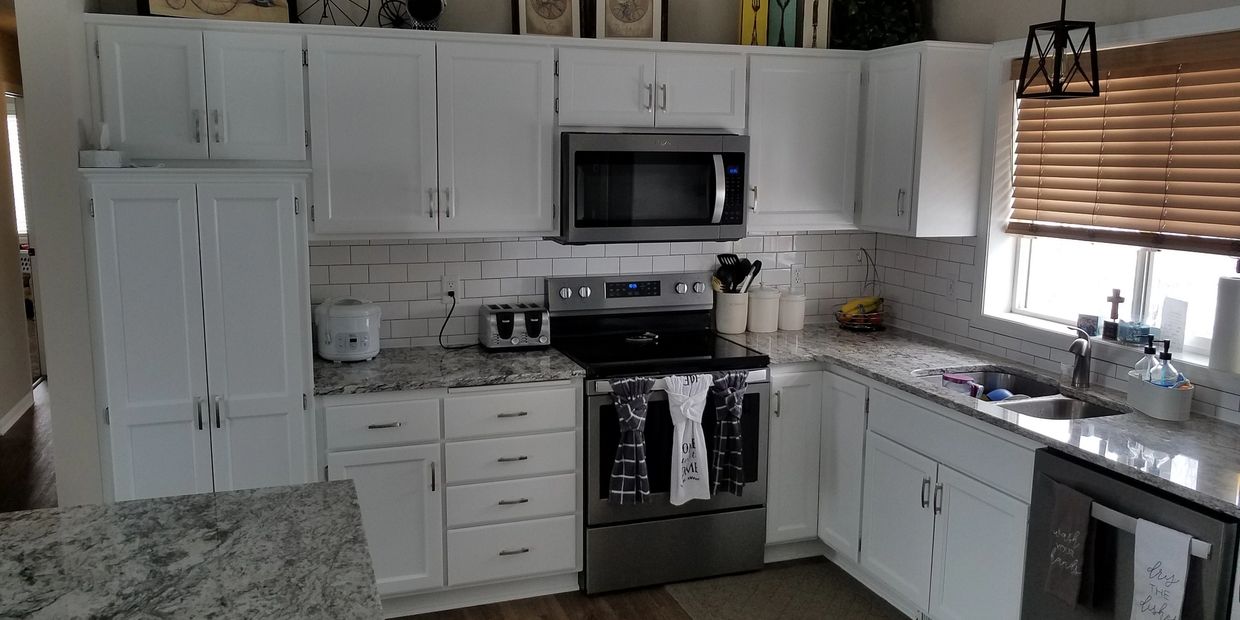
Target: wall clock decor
[(753, 22), (630, 19), (338, 12), (241, 10), (561, 18), (815, 23)]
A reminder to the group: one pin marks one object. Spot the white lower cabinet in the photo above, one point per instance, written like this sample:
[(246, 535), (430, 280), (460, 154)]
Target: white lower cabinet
[(897, 530), (512, 549), (792, 490), (841, 463), (399, 491)]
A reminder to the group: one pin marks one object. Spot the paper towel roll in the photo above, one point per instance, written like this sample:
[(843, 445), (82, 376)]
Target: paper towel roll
[(1225, 347)]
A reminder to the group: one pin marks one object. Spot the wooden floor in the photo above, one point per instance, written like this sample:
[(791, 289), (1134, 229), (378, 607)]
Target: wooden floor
[(643, 604), (27, 472)]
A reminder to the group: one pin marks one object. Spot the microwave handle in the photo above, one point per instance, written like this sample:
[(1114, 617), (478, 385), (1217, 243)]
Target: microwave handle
[(721, 190)]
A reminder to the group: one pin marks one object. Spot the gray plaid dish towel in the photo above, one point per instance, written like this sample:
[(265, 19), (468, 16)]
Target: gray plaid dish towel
[(629, 482), (728, 458)]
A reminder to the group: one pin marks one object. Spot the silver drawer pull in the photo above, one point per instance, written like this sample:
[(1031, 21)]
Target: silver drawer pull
[(515, 551), (514, 414), (513, 459), (376, 427), (513, 502)]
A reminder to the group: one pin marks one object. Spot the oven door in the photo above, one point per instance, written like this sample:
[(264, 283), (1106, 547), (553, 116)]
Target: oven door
[(603, 435), (653, 187)]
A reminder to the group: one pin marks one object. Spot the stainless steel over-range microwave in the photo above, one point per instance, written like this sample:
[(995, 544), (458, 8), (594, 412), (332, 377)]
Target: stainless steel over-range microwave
[(625, 187)]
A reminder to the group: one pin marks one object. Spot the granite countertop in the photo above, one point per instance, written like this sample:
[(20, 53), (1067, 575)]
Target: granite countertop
[(424, 368), (1198, 460), (283, 552)]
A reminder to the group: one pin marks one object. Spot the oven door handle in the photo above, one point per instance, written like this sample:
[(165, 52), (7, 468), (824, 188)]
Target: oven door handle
[(604, 387), (721, 190)]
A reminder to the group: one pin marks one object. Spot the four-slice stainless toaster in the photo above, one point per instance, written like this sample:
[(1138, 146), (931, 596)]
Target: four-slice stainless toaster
[(513, 326)]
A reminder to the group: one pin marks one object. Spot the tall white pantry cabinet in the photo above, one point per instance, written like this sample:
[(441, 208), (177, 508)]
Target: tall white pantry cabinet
[(200, 327)]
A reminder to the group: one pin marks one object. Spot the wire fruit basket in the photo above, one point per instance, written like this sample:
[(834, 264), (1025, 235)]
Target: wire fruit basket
[(871, 321)]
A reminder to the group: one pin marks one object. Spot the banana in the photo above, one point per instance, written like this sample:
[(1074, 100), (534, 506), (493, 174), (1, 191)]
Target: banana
[(862, 305)]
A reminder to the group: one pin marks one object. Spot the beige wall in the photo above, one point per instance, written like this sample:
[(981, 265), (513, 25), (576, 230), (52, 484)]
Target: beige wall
[(987, 21)]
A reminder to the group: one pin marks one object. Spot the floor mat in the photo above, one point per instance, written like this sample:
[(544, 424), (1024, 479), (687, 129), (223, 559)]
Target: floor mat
[(793, 591)]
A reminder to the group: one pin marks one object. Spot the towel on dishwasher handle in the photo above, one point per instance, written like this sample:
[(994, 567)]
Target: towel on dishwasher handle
[(1070, 520), (1159, 569), (686, 396), (729, 455)]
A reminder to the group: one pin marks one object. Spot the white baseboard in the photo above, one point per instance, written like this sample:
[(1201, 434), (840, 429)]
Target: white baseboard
[(782, 552), (479, 595), (13, 415)]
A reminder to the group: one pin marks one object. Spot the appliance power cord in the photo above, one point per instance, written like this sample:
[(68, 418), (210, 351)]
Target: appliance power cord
[(451, 294)]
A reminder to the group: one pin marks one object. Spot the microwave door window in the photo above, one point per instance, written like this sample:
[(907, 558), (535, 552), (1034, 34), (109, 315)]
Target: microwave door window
[(619, 189)]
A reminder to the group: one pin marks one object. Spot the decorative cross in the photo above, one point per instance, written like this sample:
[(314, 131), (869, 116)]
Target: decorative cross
[(1115, 300)]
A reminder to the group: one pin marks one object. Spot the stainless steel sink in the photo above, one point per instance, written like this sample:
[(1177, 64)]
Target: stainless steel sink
[(1016, 384), (1057, 408)]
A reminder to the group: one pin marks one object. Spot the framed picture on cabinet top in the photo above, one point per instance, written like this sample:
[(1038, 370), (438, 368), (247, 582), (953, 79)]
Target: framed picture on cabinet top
[(279, 11), (630, 19), (556, 18), (816, 23), (782, 26), (753, 22)]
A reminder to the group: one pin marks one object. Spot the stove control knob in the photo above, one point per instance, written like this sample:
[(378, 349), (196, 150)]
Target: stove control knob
[(515, 341), (682, 288), (584, 292), (566, 293), (544, 339), (698, 287)]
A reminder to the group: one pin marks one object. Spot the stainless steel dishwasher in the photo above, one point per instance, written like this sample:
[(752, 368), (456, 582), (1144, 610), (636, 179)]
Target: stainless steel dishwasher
[(1118, 502)]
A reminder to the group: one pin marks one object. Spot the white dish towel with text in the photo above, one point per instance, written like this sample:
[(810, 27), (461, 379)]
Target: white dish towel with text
[(1159, 567), (686, 396)]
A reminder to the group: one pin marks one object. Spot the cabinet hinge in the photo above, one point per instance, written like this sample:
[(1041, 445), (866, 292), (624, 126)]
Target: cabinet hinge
[(305, 58), (107, 416), (92, 207), (305, 402), (297, 211)]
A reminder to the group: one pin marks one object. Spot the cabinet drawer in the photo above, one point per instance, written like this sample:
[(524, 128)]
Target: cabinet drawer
[(510, 500), (512, 550), (998, 463), (511, 457), (533, 411), (374, 425)]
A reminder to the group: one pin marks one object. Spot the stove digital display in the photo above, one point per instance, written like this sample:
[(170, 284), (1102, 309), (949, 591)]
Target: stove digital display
[(649, 288)]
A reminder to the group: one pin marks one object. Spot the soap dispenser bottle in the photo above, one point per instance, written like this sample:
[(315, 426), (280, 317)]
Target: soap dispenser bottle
[(1165, 375), (1148, 362)]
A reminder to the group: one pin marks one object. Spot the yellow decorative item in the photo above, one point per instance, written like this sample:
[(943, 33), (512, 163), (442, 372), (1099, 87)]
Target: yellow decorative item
[(752, 29), (862, 305)]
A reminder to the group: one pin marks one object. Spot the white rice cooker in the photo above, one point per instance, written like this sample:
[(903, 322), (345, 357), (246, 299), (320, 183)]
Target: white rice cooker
[(346, 329)]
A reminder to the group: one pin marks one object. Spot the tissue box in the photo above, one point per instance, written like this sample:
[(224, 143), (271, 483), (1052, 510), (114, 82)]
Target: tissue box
[(102, 159)]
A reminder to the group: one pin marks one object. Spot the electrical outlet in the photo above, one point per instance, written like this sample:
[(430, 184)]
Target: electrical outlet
[(798, 276), (859, 257), (951, 289), (451, 284)]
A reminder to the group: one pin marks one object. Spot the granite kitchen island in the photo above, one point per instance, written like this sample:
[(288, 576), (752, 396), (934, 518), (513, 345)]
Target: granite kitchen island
[(282, 552)]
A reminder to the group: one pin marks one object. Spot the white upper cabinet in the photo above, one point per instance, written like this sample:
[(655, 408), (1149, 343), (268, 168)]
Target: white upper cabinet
[(154, 97), (803, 115), (626, 88), (496, 136), (252, 305), (841, 463), (792, 496), (255, 96), (612, 88), (172, 93), (373, 130), (924, 103)]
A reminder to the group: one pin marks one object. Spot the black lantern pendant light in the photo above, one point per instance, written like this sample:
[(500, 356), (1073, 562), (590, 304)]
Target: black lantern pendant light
[(1054, 53)]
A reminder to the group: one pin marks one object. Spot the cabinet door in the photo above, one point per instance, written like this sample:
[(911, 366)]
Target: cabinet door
[(153, 91), (150, 308), (792, 498), (840, 464), (400, 493), (700, 90), (897, 520), (609, 88), (891, 100), (372, 127), (496, 124), (803, 141), (252, 305), (255, 96), (979, 550)]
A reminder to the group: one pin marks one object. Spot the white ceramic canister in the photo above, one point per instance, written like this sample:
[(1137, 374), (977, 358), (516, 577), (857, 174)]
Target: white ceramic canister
[(731, 312), (763, 309), (792, 312)]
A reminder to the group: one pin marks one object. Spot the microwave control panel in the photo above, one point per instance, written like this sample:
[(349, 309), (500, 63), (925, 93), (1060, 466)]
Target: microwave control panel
[(734, 187)]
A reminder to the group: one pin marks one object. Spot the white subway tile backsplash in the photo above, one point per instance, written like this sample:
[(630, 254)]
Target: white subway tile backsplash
[(621, 249), (589, 251), (519, 249), (407, 291), (481, 288), (329, 255), (534, 267), (654, 249), (372, 292), (408, 253), (636, 264), (425, 272), (551, 249), (668, 264), (499, 269), (348, 274), (445, 253), (602, 266), (482, 251), (568, 267), (369, 254), (389, 273)]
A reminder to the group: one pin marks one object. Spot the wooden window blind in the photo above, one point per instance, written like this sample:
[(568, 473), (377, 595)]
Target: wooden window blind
[(1153, 161)]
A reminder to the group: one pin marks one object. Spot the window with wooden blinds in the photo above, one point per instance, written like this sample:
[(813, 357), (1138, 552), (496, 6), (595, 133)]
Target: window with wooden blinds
[(1153, 161)]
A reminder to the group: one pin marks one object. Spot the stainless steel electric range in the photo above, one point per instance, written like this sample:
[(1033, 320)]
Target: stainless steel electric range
[(654, 326)]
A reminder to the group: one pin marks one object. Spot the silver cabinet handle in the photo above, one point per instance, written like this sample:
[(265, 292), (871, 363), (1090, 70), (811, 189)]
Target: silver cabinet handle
[(513, 502), (515, 551), (432, 476), (663, 96), (197, 118), (754, 206), (779, 402), (215, 120), (375, 427), (900, 203), (514, 414), (649, 87), (432, 194), (219, 400), (925, 492), (938, 498), (198, 402), (513, 459), (451, 206)]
